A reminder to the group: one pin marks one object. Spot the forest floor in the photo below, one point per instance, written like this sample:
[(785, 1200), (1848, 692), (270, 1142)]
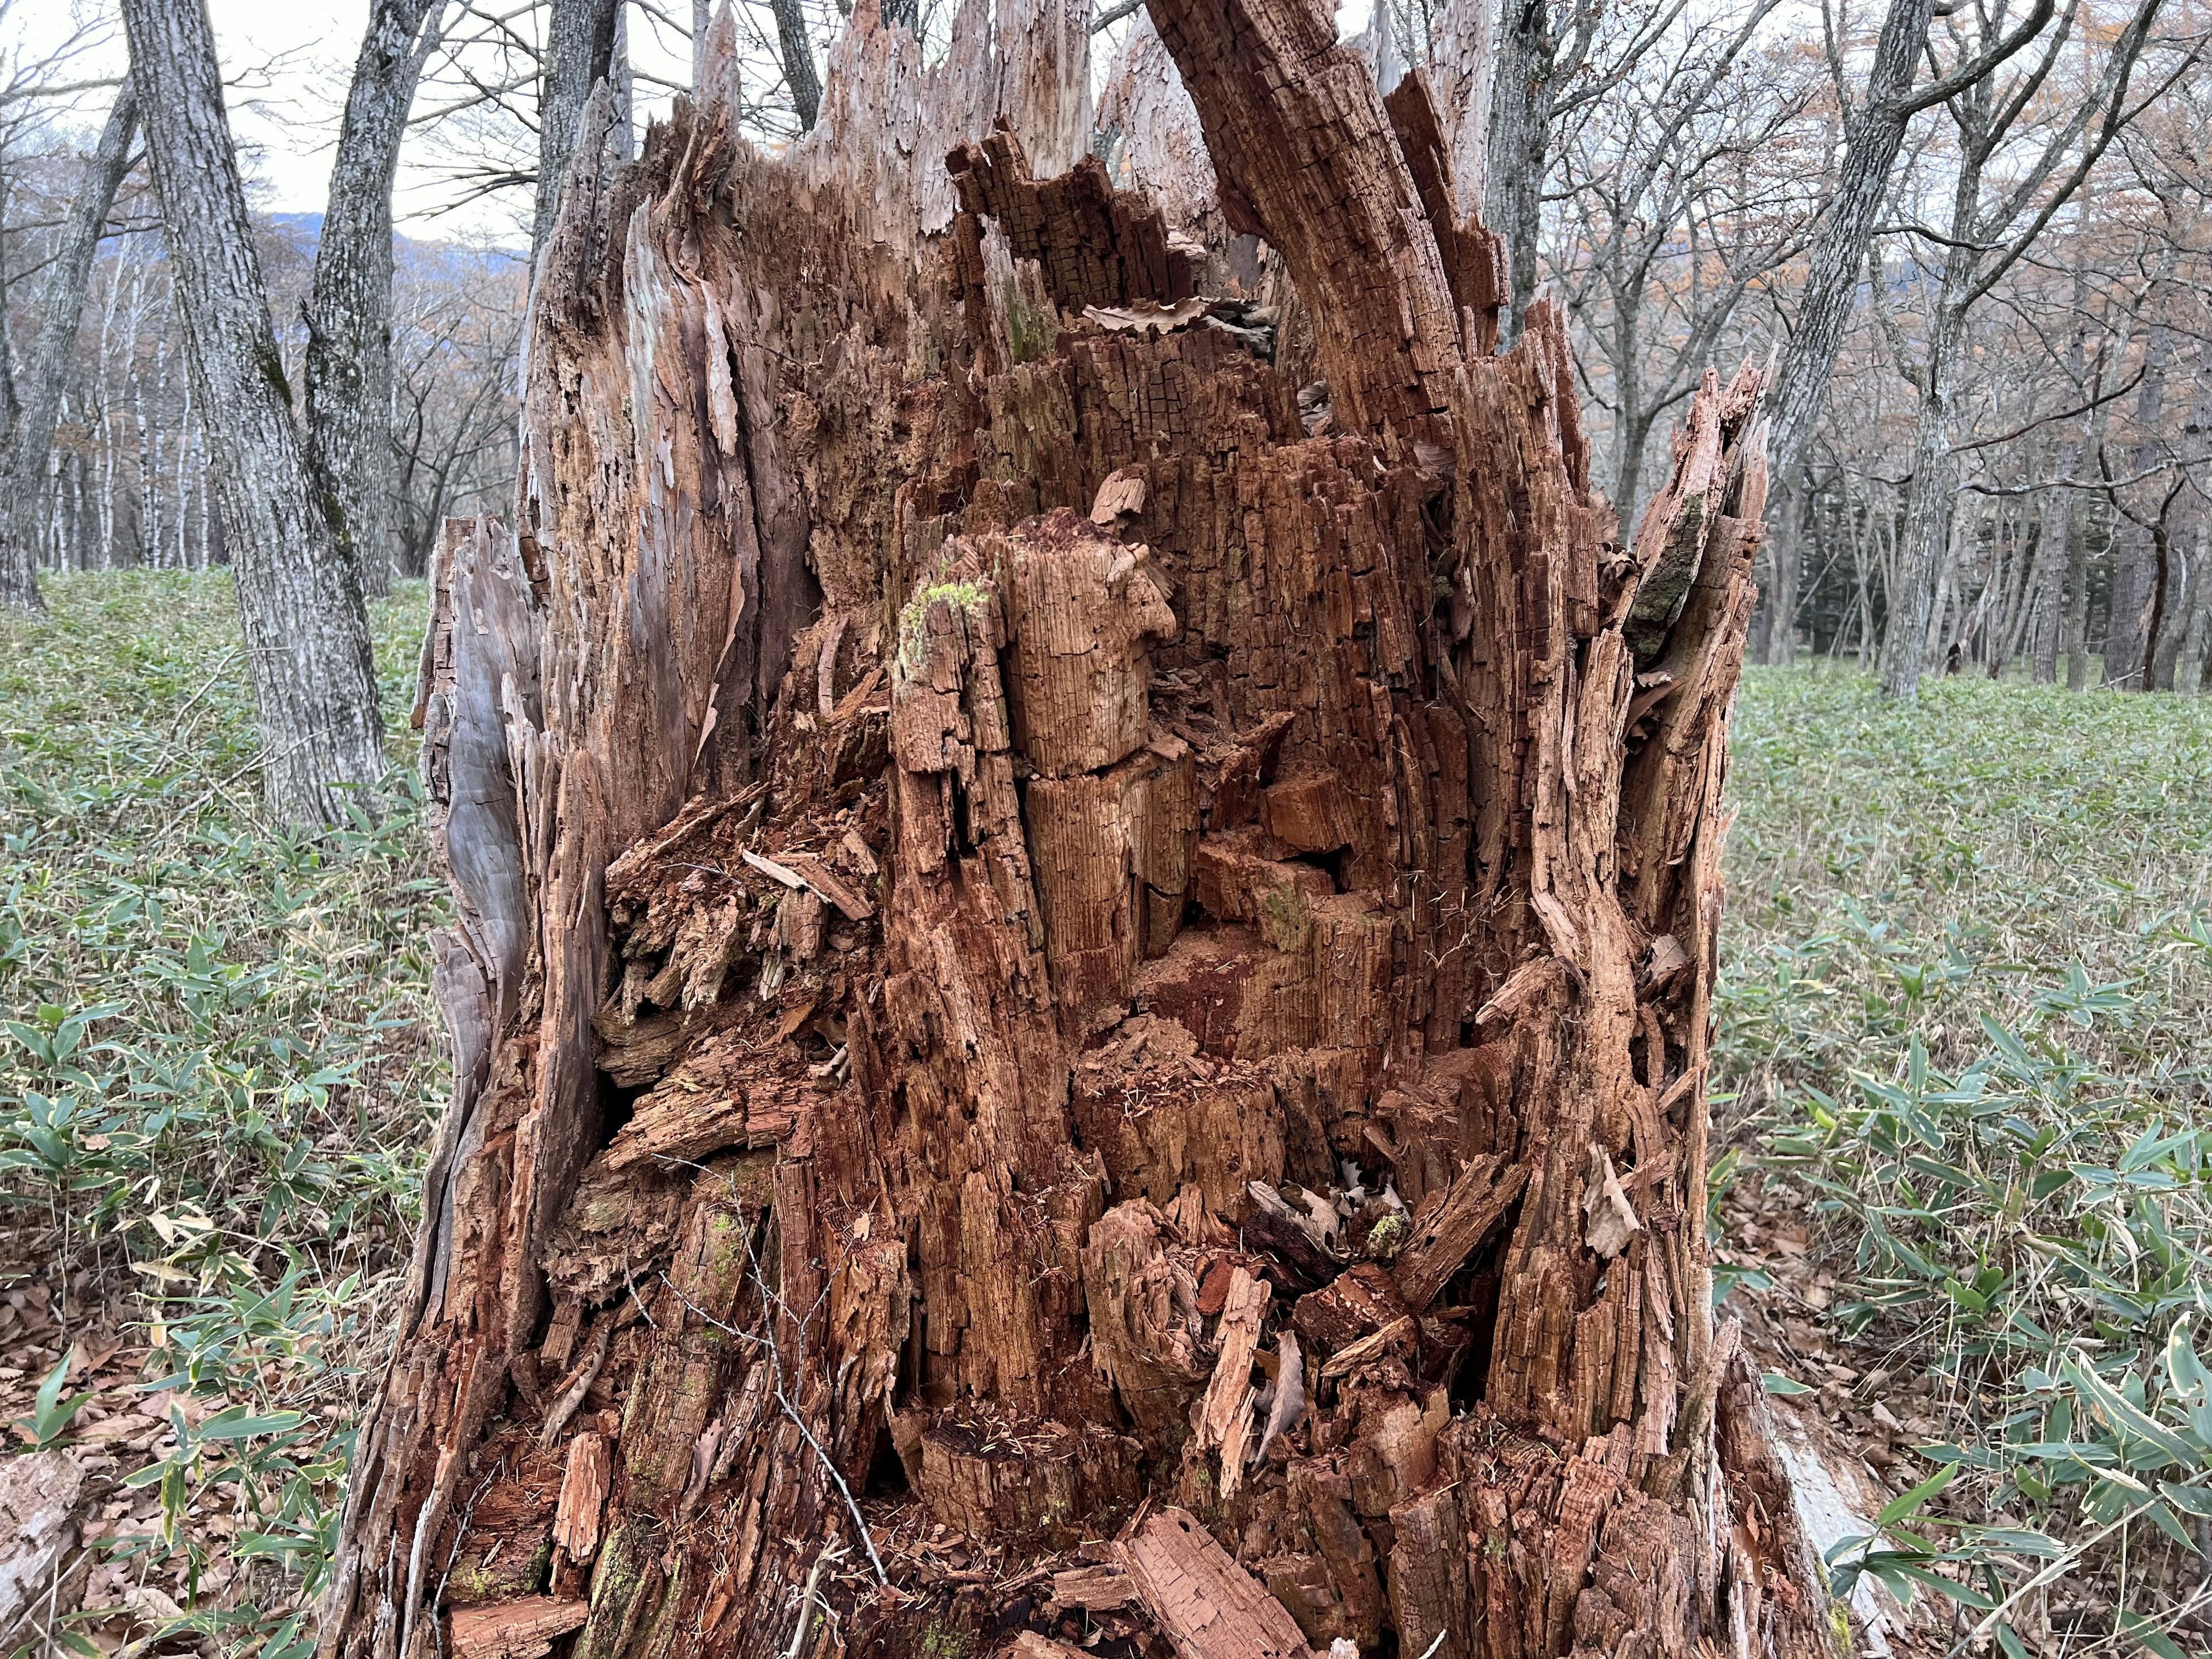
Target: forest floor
[(1966, 1031)]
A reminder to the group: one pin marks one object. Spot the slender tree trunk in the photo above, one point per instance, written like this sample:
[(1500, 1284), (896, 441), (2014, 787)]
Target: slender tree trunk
[(1523, 89), (1873, 134), (306, 631), (1789, 542), (349, 364), (982, 852), (799, 74), (2198, 674), (2077, 613), (2060, 574), (2178, 640), (579, 51), (2139, 562), (1924, 539), (2023, 587), (24, 470)]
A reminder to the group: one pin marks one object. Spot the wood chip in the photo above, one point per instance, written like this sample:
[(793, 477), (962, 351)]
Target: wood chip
[(521, 1629), (771, 869), (1203, 1603), (1094, 1589), (862, 856), (1449, 1230), (1367, 1348), (1226, 1417), (583, 1495), (817, 875), (1122, 492)]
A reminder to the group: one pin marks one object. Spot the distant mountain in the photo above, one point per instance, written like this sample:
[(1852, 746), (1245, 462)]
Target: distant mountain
[(306, 230)]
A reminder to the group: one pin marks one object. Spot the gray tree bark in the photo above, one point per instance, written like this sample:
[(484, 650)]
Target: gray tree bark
[(1873, 132), (579, 50), (349, 365), (2077, 603), (36, 402), (1925, 537), (307, 629), (2058, 504), (2058, 566), (2138, 568), (1528, 73), (799, 72), (1779, 644), (2196, 656)]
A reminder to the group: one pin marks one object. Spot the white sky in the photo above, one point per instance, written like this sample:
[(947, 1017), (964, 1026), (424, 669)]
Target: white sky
[(290, 61)]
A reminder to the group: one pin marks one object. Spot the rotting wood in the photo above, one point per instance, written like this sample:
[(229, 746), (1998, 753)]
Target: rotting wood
[(583, 1496), (1203, 1603), (1447, 1233), (1066, 935), (523, 1629)]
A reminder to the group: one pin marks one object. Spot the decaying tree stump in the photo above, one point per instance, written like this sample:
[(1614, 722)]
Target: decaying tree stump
[(1083, 964)]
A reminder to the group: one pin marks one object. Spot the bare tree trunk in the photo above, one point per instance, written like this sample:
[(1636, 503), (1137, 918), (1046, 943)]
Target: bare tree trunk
[(349, 363), (2178, 638), (799, 75), (306, 630), (2026, 578), (1925, 540), (2139, 562), (579, 51), (2077, 607), (2197, 662), (1788, 544), (1524, 86), (36, 395), (1873, 134), (2060, 574), (982, 852)]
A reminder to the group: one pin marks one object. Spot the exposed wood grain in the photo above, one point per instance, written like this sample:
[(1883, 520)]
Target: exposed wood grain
[(514, 1630), (1451, 1229), (583, 1495), (1035, 848), (1205, 1604)]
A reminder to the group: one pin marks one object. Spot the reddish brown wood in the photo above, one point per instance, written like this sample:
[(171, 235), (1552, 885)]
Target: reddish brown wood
[(1052, 957)]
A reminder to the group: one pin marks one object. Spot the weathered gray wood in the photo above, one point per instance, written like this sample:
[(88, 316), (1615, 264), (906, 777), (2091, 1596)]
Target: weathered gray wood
[(41, 1494)]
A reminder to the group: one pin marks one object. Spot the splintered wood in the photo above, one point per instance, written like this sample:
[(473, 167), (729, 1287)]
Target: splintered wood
[(1204, 1602), (1085, 912)]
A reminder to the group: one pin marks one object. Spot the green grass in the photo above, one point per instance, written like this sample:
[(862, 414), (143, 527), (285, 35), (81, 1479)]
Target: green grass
[(1963, 1046), (218, 1071), (1964, 1022)]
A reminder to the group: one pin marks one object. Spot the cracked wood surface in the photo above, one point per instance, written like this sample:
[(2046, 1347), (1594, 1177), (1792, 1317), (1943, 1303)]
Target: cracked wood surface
[(1050, 952)]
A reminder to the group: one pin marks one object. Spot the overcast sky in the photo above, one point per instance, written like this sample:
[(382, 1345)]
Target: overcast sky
[(290, 61)]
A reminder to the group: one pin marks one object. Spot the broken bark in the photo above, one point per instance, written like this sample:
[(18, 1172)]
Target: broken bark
[(1044, 957)]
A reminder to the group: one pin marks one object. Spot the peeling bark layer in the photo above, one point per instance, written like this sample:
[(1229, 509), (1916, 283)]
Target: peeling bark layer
[(1049, 953)]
